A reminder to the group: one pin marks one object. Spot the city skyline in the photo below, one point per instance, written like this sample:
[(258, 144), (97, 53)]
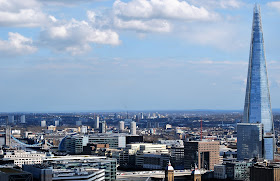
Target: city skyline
[(105, 55)]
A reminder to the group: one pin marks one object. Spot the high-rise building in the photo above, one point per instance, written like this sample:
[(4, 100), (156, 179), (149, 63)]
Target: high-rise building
[(102, 127), (204, 154), (250, 140), (257, 108), (8, 135), (96, 125), (22, 119), (56, 122), (121, 126), (43, 123), (133, 128), (11, 119)]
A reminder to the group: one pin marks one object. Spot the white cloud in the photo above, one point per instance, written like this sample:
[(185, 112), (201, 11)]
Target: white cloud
[(153, 25), (14, 13), (17, 45), (274, 4), (156, 15), (214, 4), (159, 9), (66, 2), (75, 36)]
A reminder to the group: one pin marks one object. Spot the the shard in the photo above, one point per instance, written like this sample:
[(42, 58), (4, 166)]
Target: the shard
[(257, 108)]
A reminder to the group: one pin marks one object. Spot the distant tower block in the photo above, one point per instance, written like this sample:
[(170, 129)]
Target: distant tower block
[(79, 123), (8, 135), (22, 119), (102, 127), (121, 126), (96, 125), (56, 123), (43, 123), (11, 119), (133, 128), (169, 173)]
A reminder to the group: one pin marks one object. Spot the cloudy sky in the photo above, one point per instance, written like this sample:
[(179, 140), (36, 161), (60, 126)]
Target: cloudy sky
[(86, 55)]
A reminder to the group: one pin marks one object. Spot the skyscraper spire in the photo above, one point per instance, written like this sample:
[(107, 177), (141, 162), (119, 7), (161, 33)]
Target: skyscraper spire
[(257, 107)]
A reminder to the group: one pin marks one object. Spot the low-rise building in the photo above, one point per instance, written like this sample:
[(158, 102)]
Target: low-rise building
[(21, 157)]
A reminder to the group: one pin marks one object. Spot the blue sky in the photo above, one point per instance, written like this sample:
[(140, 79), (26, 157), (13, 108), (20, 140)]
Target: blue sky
[(86, 55)]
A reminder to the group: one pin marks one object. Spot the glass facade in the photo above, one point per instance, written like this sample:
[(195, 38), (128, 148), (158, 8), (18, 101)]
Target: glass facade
[(249, 140), (257, 108)]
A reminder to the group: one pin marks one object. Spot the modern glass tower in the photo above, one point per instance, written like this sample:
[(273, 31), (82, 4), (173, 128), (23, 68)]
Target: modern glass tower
[(257, 108)]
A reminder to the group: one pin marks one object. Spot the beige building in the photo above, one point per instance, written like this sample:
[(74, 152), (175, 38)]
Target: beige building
[(204, 154)]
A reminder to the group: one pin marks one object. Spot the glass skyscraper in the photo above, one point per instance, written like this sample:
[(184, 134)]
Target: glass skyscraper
[(257, 108)]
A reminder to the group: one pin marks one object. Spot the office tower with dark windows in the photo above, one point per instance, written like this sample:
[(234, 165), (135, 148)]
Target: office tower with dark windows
[(250, 140), (257, 108)]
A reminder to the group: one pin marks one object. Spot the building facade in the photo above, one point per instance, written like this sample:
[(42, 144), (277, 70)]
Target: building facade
[(250, 140), (204, 154), (257, 107)]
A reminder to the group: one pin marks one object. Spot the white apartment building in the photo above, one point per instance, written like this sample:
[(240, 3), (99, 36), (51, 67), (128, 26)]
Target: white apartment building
[(21, 157)]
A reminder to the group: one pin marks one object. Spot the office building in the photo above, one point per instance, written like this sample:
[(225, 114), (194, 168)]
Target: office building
[(249, 140), (204, 154), (74, 144), (144, 155), (96, 124), (56, 123), (11, 119), (84, 129), (79, 123), (133, 128), (121, 126), (43, 123), (102, 127), (238, 170), (80, 164), (261, 172), (22, 119), (257, 107), (45, 172), (21, 157), (11, 174), (220, 171), (8, 135)]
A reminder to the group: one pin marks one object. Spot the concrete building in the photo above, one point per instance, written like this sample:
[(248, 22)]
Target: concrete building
[(220, 171), (11, 119), (204, 154), (102, 127), (11, 174), (8, 135), (56, 123), (83, 164), (48, 173), (21, 157), (52, 128), (43, 123), (144, 155), (79, 123), (74, 144), (133, 128), (121, 126), (84, 129), (238, 170), (22, 119), (96, 125), (261, 172)]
